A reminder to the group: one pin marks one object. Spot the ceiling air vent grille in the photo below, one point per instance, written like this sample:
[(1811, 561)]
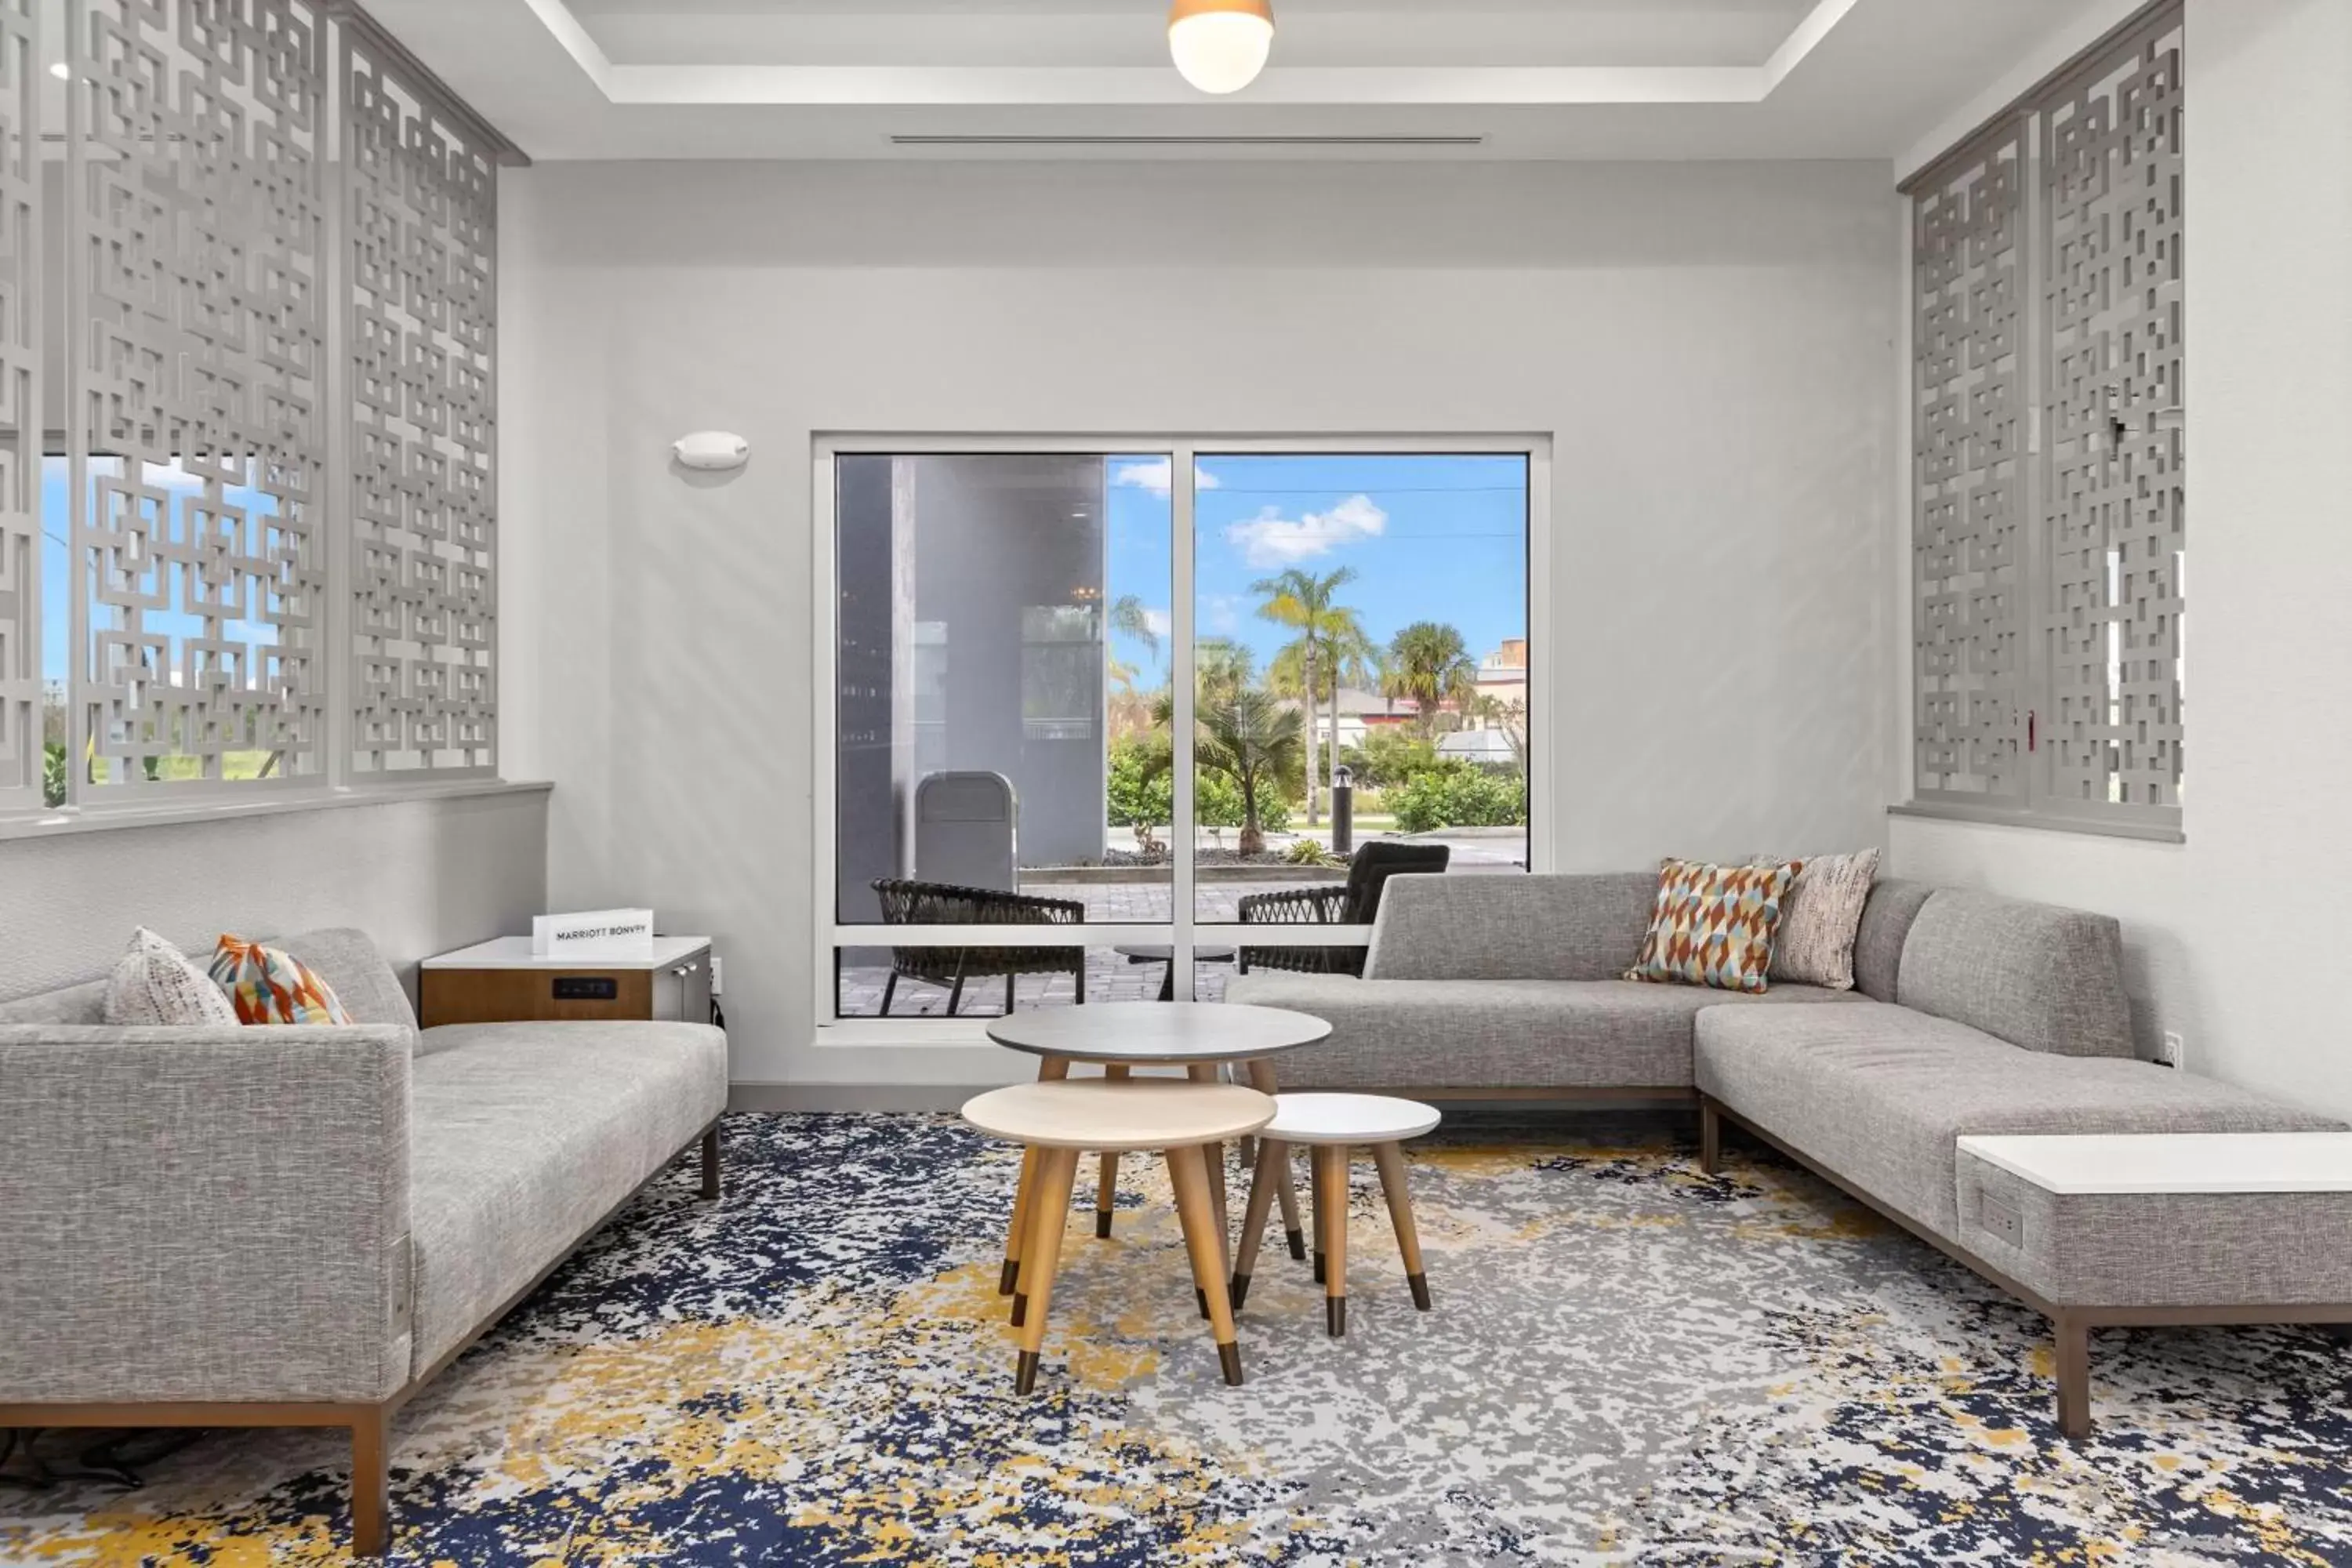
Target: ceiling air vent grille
[(907, 141)]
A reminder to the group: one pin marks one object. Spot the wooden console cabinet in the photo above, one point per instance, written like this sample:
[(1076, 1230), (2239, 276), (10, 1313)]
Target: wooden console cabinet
[(501, 982)]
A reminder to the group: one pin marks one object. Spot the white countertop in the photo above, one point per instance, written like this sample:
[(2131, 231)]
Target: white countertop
[(2174, 1161), (514, 952)]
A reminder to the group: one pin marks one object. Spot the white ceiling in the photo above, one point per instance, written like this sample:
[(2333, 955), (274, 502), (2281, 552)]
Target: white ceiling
[(1530, 79)]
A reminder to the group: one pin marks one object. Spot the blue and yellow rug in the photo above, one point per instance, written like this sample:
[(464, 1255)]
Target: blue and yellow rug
[(1628, 1362)]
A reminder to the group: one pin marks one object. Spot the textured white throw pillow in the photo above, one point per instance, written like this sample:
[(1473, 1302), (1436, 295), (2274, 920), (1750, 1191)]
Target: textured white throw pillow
[(1819, 918), (155, 984)]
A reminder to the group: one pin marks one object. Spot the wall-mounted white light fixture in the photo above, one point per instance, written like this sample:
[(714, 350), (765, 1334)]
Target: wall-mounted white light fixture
[(1220, 45), (715, 450)]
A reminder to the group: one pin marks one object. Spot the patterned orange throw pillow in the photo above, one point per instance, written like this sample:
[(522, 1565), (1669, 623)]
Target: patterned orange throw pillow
[(270, 985), (1713, 925)]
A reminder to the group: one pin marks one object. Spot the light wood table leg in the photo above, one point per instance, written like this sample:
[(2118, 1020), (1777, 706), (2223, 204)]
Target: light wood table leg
[(1391, 1161), (1272, 1160), (1260, 1072), (1333, 1157), (1051, 1069), (1024, 1195), (1187, 1172), (1106, 1189), (1320, 1211), (1214, 1153), (1058, 1172)]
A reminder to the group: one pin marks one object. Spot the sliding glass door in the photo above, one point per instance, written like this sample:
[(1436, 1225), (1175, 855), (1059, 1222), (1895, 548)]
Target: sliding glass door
[(1098, 708)]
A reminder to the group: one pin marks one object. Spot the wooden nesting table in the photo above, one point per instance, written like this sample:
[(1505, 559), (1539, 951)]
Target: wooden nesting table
[(1184, 1121), (1199, 1037)]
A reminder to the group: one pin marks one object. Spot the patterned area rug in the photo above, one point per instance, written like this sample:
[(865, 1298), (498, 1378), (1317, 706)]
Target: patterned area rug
[(1628, 1362)]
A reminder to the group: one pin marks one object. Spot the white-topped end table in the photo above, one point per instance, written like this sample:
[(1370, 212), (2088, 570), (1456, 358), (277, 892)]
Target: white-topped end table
[(2159, 1229), (1199, 1037), (2172, 1162)]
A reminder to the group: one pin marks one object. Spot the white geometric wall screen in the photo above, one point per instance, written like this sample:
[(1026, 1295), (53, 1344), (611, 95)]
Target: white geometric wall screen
[(2115, 505), (21, 413), (196, 427), (422, 196), (1969, 534), (2049, 430)]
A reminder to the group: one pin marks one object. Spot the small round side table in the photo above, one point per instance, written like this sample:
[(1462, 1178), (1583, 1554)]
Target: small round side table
[(1329, 1125)]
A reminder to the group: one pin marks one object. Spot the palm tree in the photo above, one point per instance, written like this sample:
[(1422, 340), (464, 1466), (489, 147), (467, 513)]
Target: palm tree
[(1250, 739), (1347, 657), (1221, 667), (1428, 663), (1129, 618), (1331, 640)]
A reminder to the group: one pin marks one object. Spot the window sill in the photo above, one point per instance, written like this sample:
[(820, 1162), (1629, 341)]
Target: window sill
[(214, 808), (1987, 816)]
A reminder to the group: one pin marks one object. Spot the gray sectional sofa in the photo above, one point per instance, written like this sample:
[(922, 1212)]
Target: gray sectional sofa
[(1971, 1014), (301, 1227)]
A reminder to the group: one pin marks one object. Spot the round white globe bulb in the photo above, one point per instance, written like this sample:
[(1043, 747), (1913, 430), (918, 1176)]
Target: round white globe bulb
[(1221, 49)]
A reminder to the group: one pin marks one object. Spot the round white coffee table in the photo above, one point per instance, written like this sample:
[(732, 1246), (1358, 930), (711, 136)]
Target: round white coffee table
[(1199, 1037)]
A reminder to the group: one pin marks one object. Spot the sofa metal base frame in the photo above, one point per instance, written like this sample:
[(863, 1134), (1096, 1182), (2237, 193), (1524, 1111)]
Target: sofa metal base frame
[(2070, 1324), (370, 1424)]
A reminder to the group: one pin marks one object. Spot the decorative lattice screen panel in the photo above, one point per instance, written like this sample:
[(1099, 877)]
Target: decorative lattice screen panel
[(423, 209), (2114, 515), (195, 256), (2048, 428), (1969, 461), (21, 413)]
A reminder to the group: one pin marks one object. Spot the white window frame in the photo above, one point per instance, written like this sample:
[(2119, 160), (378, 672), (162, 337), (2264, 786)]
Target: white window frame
[(1183, 932)]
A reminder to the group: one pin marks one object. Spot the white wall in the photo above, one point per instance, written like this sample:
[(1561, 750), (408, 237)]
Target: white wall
[(419, 876), (2236, 937), (1707, 345)]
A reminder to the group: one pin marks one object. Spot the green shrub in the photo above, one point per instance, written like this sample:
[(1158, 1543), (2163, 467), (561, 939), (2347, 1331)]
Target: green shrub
[(1459, 794), (1387, 757), (1138, 796)]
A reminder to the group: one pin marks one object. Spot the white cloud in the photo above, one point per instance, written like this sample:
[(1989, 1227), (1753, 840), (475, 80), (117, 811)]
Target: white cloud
[(1271, 540), (1159, 476)]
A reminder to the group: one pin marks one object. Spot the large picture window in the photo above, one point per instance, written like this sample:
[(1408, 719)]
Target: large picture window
[(1160, 696), (2049, 529)]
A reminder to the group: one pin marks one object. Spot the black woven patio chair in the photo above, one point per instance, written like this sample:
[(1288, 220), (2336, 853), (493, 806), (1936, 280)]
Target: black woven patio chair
[(1356, 902), (905, 903)]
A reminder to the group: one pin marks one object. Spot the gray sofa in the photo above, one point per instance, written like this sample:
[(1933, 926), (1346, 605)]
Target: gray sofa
[(1972, 1014), (299, 1226)]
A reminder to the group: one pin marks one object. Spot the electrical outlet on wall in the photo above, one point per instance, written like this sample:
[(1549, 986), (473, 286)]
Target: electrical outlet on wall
[(2172, 1053), (718, 975)]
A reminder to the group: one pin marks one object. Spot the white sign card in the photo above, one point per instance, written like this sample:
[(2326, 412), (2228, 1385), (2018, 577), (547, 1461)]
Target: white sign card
[(593, 933)]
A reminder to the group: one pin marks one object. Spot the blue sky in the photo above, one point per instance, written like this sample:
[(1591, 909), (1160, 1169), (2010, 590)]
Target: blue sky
[(1440, 538)]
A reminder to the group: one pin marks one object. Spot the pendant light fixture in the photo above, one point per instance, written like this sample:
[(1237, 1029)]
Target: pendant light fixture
[(1220, 45)]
